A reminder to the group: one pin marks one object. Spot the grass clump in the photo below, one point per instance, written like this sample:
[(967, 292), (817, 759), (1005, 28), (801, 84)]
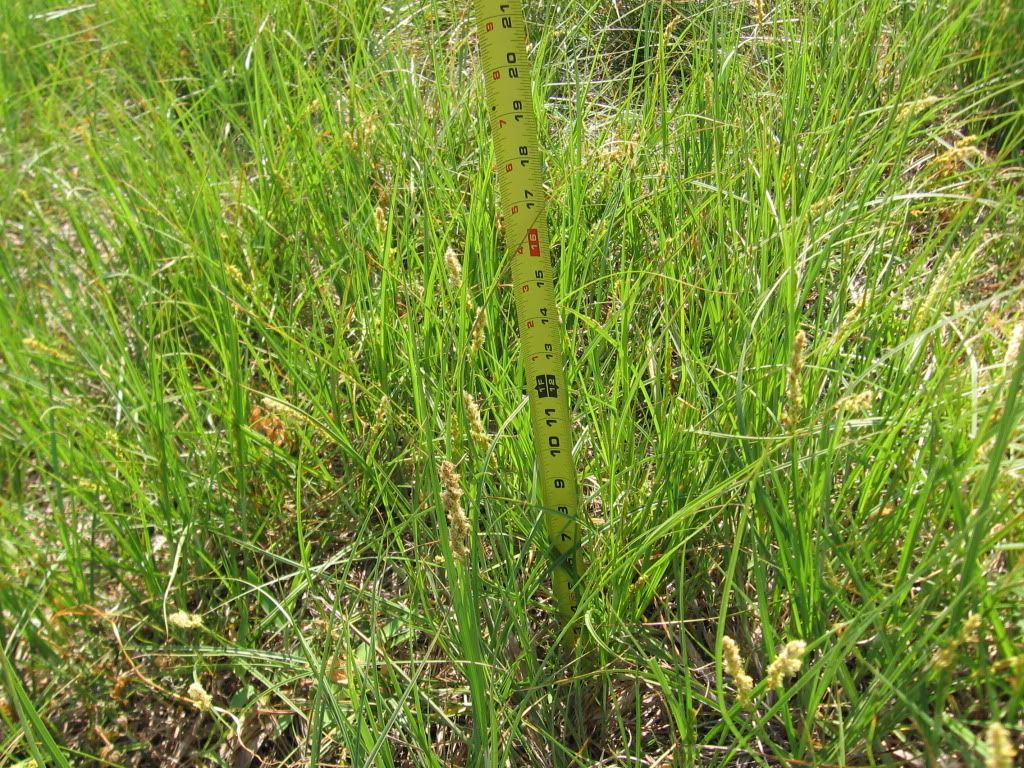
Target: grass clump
[(244, 386)]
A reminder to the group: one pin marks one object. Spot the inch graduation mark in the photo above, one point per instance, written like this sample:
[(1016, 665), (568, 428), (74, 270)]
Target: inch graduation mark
[(507, 77)]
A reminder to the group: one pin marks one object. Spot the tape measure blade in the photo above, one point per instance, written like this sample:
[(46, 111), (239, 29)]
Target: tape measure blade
[(519, 170)]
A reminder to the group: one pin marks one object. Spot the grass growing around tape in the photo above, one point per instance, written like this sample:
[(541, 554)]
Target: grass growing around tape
[(234, 356)]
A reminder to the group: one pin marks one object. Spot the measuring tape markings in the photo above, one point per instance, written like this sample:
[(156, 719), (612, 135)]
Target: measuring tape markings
[(502, 37)]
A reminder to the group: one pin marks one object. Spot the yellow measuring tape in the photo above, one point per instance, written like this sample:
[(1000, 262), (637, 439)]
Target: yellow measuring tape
[(502, 38)]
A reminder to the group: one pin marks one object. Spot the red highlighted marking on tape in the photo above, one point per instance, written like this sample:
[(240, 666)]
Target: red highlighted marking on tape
[(534, 239)]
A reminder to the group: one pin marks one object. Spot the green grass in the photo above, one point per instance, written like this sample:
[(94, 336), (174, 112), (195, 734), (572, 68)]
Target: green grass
[(208, 208)]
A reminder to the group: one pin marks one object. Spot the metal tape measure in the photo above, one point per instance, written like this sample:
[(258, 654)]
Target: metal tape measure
[(502, 37)]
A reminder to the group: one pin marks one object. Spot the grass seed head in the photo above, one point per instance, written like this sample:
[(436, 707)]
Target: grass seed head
[(732, 662), (1013, 346), (969, 631), (476, 335), (945, 657), (853, 313), (380, 415), (235, 273), (794, 392), (451, 261), (786, 664), (1001, 751), (200, 699), (911, 108), (476, 422), (924, 311), (185, 620), (858, 403), (33, 344), (956, 156), (270, 426), (451, 499)]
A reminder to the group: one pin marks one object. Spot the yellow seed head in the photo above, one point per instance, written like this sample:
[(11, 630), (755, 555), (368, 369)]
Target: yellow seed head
[(200, 699), (794, 392), (1001, 751), (451, 261), (969, 631), (380, 415), (476, 423), (924, 311), (799, 343), (911, 108), (945, 657), (856, 403), (281, 408), (854, 312), (732, 662), (1013, 346), (451, 499), (476, 335), (185, 620), (32, 343), (235, 273), (956, 155), (380, 219), (786, 664)]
